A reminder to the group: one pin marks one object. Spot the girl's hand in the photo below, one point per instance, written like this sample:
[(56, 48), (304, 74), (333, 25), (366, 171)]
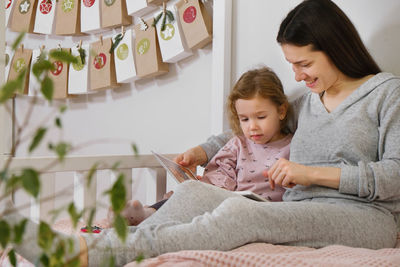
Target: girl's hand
[(288, 174), (192, 158)]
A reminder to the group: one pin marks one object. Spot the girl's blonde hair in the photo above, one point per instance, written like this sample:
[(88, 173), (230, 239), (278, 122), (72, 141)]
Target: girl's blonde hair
[(261, 82)]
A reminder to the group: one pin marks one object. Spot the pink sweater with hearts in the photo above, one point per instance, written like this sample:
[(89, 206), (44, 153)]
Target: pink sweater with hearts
[(238, 166)]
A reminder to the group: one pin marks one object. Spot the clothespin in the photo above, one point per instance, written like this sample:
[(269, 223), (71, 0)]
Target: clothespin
[(59, 47), (80, 44), (101, 39), (164, 5), (122, 31), (22, 48)]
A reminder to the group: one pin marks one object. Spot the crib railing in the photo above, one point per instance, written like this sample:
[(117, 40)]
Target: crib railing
[(64, 182)]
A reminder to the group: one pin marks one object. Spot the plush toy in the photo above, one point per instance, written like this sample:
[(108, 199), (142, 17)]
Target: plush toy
[(134, 212)]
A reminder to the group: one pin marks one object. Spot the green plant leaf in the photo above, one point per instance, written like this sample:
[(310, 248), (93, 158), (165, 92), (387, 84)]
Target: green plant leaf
[(91, 173), (118, 194), (46, 236), (58, 123), (135, 149), (120, 227), (19, 230), (47, 88), (18, 40), (12, 183), (62, 150), (139, 258), (58, 255), (8, 90), (41, 66), (37, 138), (30, 181), (73, 214), (62, 109), (90, 219), (44, 259), (111, 262), (5, 233), (74, 262), (62, 55), (12, 257), (3, 175)]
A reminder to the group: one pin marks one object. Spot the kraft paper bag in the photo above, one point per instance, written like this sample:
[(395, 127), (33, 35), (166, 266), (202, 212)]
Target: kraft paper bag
[(139, 8), (9, 55), (196, 23), (90, 16), (23, 16), (124, 59), (147, 51), (60, 77), (78, 82), (172, 44), (114, 13), (102, 68), (45, 12), (34, 84), (9, 8), (21, 60), (68, 21)]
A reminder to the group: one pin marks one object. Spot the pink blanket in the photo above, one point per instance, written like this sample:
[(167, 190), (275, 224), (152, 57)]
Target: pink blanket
[(259, 254)]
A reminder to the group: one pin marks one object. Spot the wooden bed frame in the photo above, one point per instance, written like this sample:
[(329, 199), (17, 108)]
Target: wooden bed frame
[(63, 182)]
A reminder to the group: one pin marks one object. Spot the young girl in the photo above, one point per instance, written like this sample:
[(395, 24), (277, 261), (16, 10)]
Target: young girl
[(257, 108)]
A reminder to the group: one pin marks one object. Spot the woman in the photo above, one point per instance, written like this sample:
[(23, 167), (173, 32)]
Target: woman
[(344, 161)]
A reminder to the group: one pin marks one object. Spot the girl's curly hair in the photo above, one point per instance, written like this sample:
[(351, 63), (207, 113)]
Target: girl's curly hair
[(261, 82)]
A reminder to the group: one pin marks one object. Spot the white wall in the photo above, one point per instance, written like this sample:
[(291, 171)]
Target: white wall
[(169, 113), (256, 25), (173, 112)]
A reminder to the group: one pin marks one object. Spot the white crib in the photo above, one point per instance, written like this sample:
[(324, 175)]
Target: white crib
[(62, 183)]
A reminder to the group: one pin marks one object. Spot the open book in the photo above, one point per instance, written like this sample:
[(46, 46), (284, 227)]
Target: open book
[(181, 174), (178, 172)]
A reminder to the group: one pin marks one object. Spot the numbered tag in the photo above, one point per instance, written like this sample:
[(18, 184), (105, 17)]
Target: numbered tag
[(124, 60), (90, 15), (172, 44), (78, 82)]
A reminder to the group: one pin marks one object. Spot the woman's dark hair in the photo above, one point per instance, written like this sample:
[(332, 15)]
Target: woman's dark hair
[(322, 24)]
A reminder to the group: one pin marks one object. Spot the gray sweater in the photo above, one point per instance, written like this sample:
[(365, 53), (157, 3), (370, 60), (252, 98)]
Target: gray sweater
[(361, 136)]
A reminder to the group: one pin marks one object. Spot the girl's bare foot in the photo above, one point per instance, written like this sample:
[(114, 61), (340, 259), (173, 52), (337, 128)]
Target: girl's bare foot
[(134, 213)]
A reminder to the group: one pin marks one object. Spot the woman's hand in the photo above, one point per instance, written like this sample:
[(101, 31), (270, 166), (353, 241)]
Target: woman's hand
[(192, 158), (288, 174)]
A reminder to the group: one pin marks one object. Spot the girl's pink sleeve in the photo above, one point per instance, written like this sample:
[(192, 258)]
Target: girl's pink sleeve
[(221, 170)]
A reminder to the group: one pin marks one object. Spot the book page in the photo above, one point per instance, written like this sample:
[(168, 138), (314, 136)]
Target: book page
[(251, 195), (178, 172)]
